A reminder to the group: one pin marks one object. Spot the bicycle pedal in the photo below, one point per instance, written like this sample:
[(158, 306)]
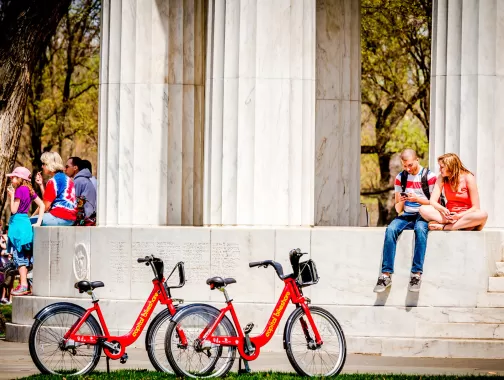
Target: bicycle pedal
[(248, 328), (123, 359)]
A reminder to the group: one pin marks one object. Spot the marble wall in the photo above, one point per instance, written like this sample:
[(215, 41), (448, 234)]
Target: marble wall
[(259, 136), (348, 262), (152, 90), (337, 126), (467, 107), (454, 315)]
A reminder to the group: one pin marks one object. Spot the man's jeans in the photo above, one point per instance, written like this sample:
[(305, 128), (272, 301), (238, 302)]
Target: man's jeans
[(51, 220), (406, 221)]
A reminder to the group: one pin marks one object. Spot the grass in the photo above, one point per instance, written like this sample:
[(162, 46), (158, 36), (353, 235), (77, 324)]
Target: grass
[(6, 310), (5, 316), (145, 375)]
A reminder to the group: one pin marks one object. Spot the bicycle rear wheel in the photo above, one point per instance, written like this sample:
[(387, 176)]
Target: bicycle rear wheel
[(48, 349), (199, 359), (308, 358)]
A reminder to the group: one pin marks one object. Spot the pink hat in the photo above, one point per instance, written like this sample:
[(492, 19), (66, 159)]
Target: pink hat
[(21, 172)]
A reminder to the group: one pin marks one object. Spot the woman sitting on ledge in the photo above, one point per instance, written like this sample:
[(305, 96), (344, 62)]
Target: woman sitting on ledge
[(58, 195), (462, 211)]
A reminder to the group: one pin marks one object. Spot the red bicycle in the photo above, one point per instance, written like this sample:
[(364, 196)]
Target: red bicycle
[(201, 337), (67, 339)]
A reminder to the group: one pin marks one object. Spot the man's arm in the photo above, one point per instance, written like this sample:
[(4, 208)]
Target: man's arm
[(399, 202)]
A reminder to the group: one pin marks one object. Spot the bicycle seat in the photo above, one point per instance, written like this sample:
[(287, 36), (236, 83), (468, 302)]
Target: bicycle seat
[(85, 286), (219, 282)]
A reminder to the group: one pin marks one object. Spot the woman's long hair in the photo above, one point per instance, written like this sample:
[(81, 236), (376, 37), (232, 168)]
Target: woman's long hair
[(455, 167), (29, 186)]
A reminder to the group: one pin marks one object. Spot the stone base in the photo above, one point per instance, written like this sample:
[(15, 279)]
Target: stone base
[(389, 331), (454, 315)]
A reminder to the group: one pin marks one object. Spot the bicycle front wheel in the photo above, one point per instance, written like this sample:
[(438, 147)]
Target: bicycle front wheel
[(199, 359), (308, 358), (51, 353), (155, 341)]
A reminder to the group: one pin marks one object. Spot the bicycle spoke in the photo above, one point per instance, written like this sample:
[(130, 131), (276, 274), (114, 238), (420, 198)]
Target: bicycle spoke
[(49, 345), (308, 357)]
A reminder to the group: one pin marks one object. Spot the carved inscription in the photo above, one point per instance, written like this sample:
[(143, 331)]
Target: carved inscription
[(195, 256), (55, 255), (225, 259), (118, 262)]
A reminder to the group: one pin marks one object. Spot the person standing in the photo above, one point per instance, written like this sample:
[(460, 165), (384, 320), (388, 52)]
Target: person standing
[(20, 235)]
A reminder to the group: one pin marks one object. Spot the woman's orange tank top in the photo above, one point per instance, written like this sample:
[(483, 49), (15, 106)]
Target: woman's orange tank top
[(458, 201)]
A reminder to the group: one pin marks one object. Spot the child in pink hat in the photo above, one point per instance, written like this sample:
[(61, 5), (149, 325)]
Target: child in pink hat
[(20, 235)]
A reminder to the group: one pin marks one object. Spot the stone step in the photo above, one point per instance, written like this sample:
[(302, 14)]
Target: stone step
[(496, 284), (499, 271), (490, 300), (432, 348), (385, 346), (488, 331)]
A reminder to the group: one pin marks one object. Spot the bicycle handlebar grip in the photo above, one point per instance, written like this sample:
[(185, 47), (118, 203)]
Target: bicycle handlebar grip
[(144, 260), (256, 264)]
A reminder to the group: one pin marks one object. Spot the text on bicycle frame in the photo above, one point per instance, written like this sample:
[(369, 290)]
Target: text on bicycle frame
[(277, 313), (145, 314)]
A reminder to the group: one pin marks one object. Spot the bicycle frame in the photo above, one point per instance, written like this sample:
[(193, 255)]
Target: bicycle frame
[(158, 294), (290, 293)]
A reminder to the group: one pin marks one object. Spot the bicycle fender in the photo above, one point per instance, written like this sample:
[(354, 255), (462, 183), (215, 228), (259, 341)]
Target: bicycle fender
[(180, 313), (154, 322), (50, 308), (162, 315)]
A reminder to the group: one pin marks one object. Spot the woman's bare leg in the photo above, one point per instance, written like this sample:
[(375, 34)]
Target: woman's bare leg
[(475, 219), (429, 213), (437, 221)]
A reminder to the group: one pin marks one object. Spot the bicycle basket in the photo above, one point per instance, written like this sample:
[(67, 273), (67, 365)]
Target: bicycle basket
[(307, 273)]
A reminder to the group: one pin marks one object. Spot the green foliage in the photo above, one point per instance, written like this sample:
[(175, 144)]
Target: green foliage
[(408, 134), (5, 317), (395, 43), (62, 111)]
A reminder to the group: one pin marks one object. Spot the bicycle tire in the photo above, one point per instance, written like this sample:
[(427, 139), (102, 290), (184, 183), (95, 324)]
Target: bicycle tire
[(52, 311), (150, 342), (207, 313), (288, 344)]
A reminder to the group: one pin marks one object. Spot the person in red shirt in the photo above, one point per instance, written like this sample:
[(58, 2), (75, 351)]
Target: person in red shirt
[(462, 211), (58, 194)]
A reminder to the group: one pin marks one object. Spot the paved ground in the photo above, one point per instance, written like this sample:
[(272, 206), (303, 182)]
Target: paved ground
[(15, 362)]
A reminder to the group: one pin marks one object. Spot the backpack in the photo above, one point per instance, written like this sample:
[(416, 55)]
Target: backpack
[(81, 219), (425, 185)]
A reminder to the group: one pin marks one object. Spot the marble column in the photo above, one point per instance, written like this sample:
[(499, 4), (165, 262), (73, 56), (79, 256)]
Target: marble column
[(467, 83), (337, 136), (151, 118), (260, 120)]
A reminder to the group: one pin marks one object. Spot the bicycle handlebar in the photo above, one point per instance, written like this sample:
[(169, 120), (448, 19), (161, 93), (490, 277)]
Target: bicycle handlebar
[(294, 256), (146, 259)]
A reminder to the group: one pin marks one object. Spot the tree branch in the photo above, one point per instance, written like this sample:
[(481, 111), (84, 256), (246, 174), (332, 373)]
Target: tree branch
[(377, 191)]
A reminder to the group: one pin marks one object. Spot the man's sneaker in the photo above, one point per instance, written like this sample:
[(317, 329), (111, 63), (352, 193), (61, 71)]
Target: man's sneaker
[(21, 291), (383, 283), (415, 282), (4, 301)]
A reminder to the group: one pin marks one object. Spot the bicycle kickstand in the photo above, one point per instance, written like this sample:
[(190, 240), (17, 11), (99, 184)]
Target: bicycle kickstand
[(244, 370), (108, 364)]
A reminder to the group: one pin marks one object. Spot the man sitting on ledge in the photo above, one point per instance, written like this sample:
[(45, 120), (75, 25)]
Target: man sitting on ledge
[(413, 187)]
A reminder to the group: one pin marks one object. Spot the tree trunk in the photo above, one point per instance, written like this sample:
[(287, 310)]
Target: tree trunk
[(25, 29)]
